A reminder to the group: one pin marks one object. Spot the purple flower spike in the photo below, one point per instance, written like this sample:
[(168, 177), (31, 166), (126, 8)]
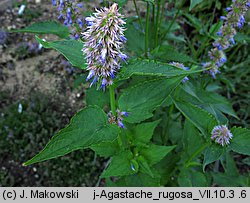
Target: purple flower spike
[(234, 19), (103, 44), (221, 135)]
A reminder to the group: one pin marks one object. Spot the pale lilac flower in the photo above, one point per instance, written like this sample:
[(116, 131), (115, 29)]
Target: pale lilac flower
[(180, 65), (104, 40), (118, 118), (221, 135), (233, 20)]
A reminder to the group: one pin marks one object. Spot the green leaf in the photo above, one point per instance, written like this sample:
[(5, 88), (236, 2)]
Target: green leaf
[(231, 177), (106, 149), (89, 126), (95, 97), (190, 178), (154, 153), (204, 121), (144, 166), (135, 38), (174, 131), (142, 99), (212, 153), (143, 180), (176, 38), (166, 167), (120, 165), (224, 180), (241, 140), (239, 37), (143, 132), (48, 27), (151, 68), (212, 102), (70, 49), (139, 180), (230, 167), (168, 53), (246, 161), (194, 21), (192, 141), (193, 3), (214, 29)]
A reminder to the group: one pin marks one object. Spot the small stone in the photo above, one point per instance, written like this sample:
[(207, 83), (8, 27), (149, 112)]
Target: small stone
[(4, 4)]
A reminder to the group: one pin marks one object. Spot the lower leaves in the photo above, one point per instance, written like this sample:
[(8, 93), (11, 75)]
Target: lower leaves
[(89, 126)]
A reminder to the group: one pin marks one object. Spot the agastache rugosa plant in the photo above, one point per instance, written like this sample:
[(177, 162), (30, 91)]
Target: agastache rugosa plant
[(162, 123)]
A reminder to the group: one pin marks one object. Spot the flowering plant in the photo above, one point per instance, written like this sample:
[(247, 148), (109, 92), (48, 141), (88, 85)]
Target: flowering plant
[(164, 124)]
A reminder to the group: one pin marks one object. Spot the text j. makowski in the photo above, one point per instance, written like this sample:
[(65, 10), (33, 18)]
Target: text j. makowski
[(44, 194)]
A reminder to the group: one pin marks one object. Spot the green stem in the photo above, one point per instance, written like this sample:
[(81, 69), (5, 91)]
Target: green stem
[(171, 24), (162, 12), (152, 25), (157, 22), (196, 153), (166, 128), (112, 99), (234, 52), (138, 13), (147, 30), (113, 110)]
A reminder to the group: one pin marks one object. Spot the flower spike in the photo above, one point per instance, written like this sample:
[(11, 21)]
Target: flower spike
[(104, 40)]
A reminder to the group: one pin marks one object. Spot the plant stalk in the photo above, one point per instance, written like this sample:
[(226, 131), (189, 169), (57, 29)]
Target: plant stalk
[(171, 24), (112, 99), (196, 153), (157, 21), (138, 14), (147, 30)]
